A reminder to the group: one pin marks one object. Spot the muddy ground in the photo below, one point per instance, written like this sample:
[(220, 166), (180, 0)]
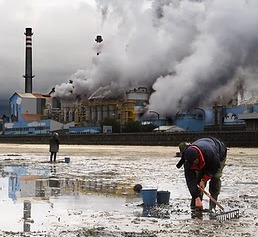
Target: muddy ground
[(93, 194)]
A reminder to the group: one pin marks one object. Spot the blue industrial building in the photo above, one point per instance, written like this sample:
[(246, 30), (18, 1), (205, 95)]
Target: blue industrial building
[(32, 127), (246, 115), (27, 111), (190, 122), (31, 113), (84, 129)]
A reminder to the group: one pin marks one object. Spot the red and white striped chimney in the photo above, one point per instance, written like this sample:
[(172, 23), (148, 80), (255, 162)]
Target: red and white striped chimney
[(28, 61)]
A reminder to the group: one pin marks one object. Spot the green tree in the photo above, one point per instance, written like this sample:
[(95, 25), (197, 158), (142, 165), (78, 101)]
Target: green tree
[(111, 122), (131, 127), (136, 126), (147, 128)]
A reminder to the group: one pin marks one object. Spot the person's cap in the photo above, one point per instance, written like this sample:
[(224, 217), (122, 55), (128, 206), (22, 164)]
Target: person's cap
[(190, 155), (182, 146)]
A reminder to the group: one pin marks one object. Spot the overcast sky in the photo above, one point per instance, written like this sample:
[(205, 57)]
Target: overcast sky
[(186, 51), (64, 32), (63, 41)]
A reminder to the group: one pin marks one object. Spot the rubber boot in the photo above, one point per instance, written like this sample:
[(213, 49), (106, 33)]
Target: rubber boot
[(212, 205)]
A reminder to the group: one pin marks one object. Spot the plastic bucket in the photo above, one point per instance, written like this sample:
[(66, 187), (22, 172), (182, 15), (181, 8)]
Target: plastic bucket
[(163, 197), (67, 160), (149, 196)]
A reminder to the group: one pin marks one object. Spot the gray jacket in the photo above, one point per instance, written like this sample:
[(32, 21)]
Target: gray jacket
[(54, 144)]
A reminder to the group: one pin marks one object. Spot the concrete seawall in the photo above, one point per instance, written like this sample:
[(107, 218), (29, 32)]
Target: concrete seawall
[(231, 139)]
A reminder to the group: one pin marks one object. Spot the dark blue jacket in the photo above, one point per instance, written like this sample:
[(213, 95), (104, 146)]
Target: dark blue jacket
[(214, 151)]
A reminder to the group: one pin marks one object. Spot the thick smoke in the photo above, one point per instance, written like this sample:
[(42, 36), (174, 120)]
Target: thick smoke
[(188, 53), (103, 8)]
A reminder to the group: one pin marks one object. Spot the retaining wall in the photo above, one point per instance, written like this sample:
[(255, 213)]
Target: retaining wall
[(231, 139)]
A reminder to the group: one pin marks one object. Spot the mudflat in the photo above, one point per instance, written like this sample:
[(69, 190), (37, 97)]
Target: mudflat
[(93, 195)]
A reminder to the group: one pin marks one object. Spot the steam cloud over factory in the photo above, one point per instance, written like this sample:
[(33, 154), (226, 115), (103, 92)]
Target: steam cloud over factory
[(186, 53), (166, 56)]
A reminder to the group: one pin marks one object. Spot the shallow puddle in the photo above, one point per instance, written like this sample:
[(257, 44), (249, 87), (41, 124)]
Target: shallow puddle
[(32, 197)]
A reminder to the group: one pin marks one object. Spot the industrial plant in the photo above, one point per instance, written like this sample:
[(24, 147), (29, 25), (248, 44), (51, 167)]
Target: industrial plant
[(35, 113)]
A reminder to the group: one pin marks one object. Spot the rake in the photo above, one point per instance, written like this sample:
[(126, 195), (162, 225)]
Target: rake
[(222, 216)]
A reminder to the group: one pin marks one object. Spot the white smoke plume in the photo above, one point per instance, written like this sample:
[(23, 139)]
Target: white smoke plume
[(187, 53), (103, 8)]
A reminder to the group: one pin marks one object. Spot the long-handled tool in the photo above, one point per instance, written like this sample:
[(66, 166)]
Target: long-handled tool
[(222, 216)]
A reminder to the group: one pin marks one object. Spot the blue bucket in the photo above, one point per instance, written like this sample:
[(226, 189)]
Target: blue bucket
[(149, 196), (67, 160), (163, 197)]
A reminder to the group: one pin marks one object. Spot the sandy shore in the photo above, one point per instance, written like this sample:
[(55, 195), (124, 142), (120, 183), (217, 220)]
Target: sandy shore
[(82, 149)]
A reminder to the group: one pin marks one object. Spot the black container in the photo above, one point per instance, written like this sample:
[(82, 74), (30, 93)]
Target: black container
[(163, 197)]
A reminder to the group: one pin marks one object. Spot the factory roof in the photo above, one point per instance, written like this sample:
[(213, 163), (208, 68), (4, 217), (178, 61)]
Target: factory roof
[(29, 177), (38, 95), (24, 95), (168, 129), (31, 117), (32, 95)]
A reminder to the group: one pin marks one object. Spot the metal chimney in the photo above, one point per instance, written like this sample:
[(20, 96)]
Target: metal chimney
[(28, 61)]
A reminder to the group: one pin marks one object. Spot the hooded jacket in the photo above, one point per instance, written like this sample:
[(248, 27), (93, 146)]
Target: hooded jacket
[(54, 143), (213, 151)]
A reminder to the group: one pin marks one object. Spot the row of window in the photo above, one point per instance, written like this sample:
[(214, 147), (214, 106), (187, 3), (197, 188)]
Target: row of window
[(27, 128)]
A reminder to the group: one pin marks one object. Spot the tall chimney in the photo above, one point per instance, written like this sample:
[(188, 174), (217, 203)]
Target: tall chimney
[(28, 61)]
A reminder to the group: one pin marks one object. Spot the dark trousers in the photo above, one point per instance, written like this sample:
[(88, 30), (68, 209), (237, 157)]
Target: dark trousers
[(53, 155), (214, 186)]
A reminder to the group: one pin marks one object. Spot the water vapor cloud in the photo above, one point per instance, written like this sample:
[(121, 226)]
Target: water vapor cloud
[(187, 53)]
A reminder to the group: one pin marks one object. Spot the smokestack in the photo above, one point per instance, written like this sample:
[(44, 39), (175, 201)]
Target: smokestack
[(99, 39), (28, 61)]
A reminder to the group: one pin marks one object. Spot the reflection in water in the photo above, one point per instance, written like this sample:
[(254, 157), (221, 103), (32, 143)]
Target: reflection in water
[(27, 182), (26, 216), (54, 188), (53, 169), (21, 180)]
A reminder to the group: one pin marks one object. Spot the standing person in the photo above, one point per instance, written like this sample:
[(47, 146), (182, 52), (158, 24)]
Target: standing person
[(54, 146), (203, 162)]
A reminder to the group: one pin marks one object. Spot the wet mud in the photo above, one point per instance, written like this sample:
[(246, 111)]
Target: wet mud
[(91, 193)]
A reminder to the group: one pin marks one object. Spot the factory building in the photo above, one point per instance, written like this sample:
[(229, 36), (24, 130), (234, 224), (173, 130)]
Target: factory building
[(33, 127), (27, 106), (250, 116), (94, 111), (141, 97), (27, 115), (28, 110), (33, 113)]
